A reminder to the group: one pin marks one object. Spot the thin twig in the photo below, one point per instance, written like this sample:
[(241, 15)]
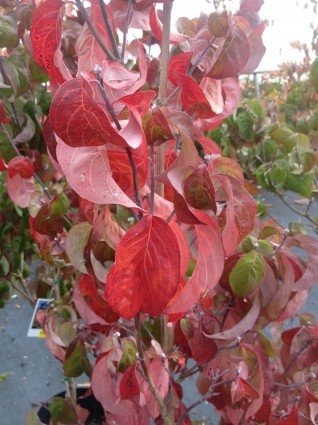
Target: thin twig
[(82, 9), (230, 305), (148, 377), (208, 395), (171, 216), (295, 210), (135, 176), (102, 90), (109, 29), (152, 178), (126, 30), (303, 348)]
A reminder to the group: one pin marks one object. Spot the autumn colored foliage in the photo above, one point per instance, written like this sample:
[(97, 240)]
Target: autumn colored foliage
[(150, 231)]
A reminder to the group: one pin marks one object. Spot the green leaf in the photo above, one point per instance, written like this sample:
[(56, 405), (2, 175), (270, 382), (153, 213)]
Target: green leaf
[(296, 229), (8, 32), (265, 248), (17, 74), (128, 357), (6, 150), (301, 184), (59, 206), (257, 106), (4, 266), (37, 75), (247, 274), (4, 287), (246, 126), (76, 241), (61, 410), (283, 136), (77, 361), (314, 73)]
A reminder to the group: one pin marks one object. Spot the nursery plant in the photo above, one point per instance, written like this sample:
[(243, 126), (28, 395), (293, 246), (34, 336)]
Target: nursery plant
[(275, 138), (160, 270)]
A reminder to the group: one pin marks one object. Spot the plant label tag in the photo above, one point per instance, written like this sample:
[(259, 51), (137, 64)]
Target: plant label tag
[(35, 328)]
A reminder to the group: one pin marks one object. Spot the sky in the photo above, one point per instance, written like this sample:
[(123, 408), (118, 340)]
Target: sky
[(287, 22)]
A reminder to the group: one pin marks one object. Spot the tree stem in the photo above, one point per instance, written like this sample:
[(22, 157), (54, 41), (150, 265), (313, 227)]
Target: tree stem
[(165, 50), (126, 30), (109, 29), (147, 376)]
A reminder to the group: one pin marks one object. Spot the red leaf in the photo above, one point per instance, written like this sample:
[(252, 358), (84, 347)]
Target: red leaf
[(199, 191), (146, 272), (139, 16), (22, 166), (244, 325), (291, 419), (20, 190), (141, 101), (282, 294), (257, 49), (129, 386), (242, 390), (252, 5), (120, 81), (4, 119), (78, 120), (89, 51), (105, 384), (87, 285), (240, 213), (202, 348), (88, 172), (122, 172), (3, 166), (209, 266), (156, 27), (178, 64), (310, 245), (193, 98), (46, 35), (209, 146), (232, 93), (232, 53), (93, 312)]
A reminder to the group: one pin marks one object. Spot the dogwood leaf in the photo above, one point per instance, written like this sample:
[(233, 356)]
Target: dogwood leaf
[(78, 120), (88, 172), (46, 34), (146, 272), (247, 274)]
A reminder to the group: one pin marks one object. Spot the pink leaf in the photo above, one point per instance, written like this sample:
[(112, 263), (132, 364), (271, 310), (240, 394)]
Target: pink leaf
[(310, 245), (209, 266), (106, 384), (160, 376), (88, 172), (20, 189), (244, 325), (88, 50)]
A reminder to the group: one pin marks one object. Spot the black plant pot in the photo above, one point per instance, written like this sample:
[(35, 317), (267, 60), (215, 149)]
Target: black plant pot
[(96, 412)]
